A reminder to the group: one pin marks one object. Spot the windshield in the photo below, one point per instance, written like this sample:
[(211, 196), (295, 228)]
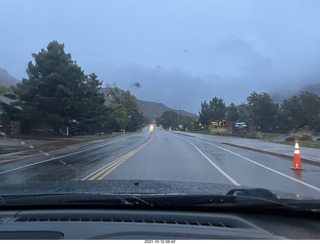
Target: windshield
[(154, 98)]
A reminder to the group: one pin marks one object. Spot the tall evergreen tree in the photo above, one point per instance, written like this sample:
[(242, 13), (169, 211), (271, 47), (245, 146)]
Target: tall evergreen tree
[(57, 92)]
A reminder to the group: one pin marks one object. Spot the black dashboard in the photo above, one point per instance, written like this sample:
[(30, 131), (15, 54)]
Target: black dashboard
[(149, 225)]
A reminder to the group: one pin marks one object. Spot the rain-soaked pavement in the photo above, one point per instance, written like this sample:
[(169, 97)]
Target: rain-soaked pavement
[(156, 154)]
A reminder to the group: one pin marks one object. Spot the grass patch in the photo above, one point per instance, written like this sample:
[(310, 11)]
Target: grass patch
[(203, 132), (271, 136), (311, 144), (214, 132), (12, 149), (89, 137)]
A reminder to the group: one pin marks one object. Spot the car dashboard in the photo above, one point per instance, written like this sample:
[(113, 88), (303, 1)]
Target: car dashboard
[(123, 224)]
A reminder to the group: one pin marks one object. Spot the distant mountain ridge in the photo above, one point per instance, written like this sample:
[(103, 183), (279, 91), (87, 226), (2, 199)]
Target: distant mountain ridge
[(6, 79), (152, 110)]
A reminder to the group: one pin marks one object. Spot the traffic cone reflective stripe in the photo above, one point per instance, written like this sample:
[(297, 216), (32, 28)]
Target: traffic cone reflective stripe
[(296, 158)]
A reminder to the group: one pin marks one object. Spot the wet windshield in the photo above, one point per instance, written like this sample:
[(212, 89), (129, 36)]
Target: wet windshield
[(160, 97)]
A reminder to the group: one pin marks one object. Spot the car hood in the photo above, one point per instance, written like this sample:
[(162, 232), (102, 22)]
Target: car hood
[(138, 187)]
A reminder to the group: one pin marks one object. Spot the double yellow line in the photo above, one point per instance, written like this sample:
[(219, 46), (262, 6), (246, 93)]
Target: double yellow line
[(108, 168)]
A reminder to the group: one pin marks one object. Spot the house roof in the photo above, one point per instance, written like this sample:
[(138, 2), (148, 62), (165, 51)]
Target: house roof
[(9, 102)]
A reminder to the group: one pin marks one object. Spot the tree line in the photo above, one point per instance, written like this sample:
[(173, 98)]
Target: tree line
[(171, 119), (60, 96), (298, 111)]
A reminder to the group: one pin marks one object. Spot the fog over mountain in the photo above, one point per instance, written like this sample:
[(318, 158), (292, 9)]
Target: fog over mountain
[(279, 95)]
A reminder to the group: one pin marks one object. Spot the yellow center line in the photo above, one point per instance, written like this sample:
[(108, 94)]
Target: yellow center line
[(109, 165), (119, 162), (102, 168), (114, 164), (106, 167)]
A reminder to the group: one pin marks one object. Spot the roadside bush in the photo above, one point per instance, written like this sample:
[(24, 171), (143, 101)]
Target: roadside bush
[(306, 138), (262, 135), (255, 135), (303, 134), (290, 138), (218, 131)]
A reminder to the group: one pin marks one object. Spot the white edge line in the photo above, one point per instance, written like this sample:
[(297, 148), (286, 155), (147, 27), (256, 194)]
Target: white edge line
[(216, 166), (272, 170)]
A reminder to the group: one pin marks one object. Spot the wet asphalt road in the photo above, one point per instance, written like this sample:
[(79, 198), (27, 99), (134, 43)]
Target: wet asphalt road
[(167, 156)]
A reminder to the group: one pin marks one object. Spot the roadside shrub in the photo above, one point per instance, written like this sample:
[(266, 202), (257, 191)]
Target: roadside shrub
[(290, 138), (255, 135), (306, 138), (262, 135), (303, 134), (218, 131)]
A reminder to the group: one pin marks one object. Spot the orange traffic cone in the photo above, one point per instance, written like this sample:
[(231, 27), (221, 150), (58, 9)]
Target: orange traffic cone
[(296, 158)]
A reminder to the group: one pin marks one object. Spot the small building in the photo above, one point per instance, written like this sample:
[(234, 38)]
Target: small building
[(9, 123)]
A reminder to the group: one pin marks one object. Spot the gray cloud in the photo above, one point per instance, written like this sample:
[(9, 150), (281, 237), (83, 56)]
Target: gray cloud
[(181, 52), (176, 87), (241, 57)]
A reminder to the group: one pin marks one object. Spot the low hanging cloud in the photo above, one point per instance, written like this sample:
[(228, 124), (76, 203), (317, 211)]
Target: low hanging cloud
[(238, 57), (176, 87)]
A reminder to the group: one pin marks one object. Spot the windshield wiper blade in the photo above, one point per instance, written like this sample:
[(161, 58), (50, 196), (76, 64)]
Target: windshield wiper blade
[(264, 197), (253, 192), (235, 198), (56, 199), (254, 195)]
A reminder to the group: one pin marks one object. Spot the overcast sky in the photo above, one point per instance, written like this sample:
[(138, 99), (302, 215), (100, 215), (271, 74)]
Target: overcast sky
[(181, 52)]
